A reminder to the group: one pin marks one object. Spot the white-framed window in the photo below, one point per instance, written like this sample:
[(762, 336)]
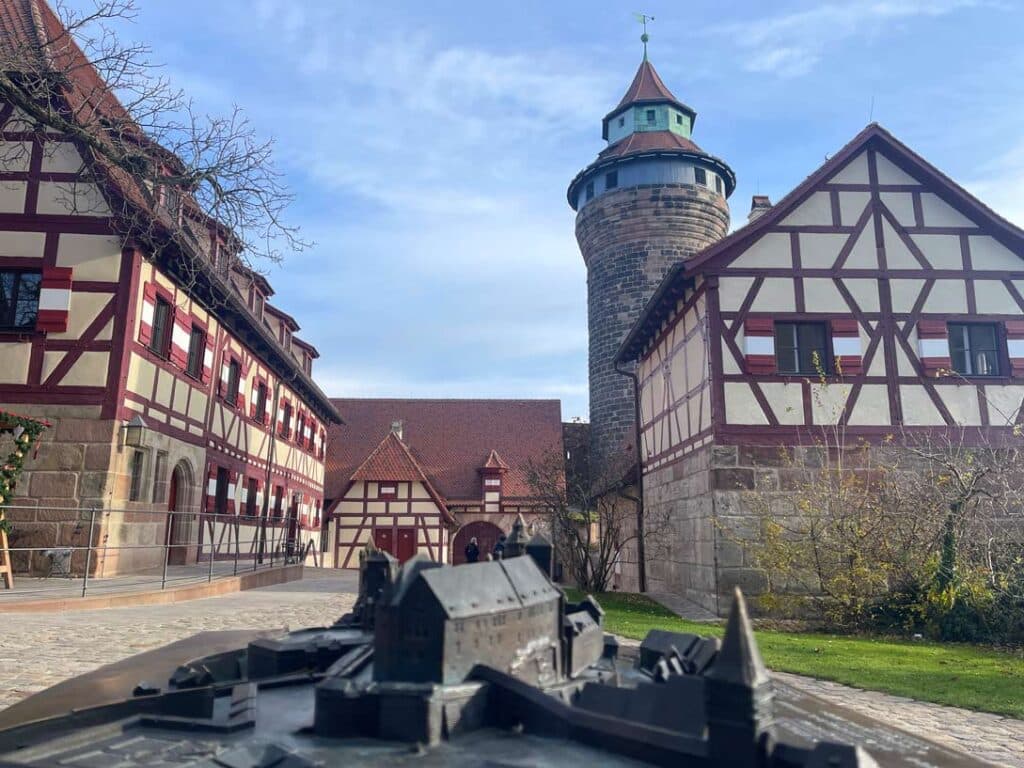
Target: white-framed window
[(974, 348)]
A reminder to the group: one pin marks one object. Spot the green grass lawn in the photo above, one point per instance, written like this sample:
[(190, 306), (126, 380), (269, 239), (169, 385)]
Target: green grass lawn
[(956, 674)]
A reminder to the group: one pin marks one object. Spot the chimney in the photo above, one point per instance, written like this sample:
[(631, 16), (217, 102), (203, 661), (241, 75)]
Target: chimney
[(396, 427), (759, 204)]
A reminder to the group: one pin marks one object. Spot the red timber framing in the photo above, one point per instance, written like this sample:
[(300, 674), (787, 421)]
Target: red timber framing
[(908, 252)]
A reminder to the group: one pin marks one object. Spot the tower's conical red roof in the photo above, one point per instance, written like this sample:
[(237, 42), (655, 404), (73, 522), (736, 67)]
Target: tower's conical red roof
[(646, 86)]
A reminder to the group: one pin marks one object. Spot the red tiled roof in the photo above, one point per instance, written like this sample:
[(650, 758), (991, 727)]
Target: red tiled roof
[(449, 439), (648, 141), (390, 460), (646, 86)]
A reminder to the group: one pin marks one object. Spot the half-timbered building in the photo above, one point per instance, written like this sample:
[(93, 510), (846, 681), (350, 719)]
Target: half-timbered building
[(426, 476), (878, 296), (175, 338)]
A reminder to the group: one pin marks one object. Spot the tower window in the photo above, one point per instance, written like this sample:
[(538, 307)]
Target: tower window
[(718, 184), (650, 115), (611, 180), (590, 190), (679, 119), (622, 121), (701, 176)]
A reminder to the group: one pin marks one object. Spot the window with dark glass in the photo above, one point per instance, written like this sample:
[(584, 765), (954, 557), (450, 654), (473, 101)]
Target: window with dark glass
[(159, 477), (137, 461), (160, 341), (286, 422), (196, 348), (278, 500), (234, 373), (974, 348), (19, 299), (801, 348), (590, 190), (250, 497), (220, 498), (300, 428), (701, 176), (650, 115), (261, 401), (622, 121), (679, 119), (611, 180), (718, 184)]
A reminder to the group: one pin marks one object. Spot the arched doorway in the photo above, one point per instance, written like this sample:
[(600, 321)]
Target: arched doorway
[(486, 537), (179, 519)]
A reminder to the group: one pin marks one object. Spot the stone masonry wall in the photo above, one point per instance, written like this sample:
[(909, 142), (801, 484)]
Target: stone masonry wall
[(680, 532), (79, 466), (629, 239)]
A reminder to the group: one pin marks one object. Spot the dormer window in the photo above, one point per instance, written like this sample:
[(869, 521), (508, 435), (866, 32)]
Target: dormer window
[(651, 114), (257, 304)]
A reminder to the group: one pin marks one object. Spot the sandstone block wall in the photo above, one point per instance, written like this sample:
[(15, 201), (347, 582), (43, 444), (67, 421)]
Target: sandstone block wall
[(80, 466), (629, 239)]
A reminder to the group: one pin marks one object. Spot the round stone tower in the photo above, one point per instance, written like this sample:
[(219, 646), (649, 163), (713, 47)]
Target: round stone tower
[(651, 199)]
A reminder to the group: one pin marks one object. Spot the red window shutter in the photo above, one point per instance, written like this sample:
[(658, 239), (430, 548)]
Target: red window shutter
[(846, 350), (1015, 346), (232, 491), (208, 355), (54, 300), (148, 308), (181, 332), (211, 488), (933, 346), (759, 345)]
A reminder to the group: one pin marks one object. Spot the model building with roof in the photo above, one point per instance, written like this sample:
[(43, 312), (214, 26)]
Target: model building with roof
[(426, 476)]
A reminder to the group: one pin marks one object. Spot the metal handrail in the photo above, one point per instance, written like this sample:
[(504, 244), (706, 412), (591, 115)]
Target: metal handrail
[(268, 541)]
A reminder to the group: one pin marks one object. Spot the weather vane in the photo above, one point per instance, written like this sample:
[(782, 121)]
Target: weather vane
[(643, 18)]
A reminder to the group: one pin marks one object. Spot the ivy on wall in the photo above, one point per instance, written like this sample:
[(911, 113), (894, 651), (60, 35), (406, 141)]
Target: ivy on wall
[(26, 432)]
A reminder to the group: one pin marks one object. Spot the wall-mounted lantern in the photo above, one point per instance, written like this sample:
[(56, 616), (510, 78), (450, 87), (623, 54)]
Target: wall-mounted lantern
[(134, 432)]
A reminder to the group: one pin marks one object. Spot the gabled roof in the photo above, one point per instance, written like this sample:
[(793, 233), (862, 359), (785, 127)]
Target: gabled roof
[(290, 322), (682, 275), (476, 589), (449, 439), (392, 460), (313, 351), (494, 461)]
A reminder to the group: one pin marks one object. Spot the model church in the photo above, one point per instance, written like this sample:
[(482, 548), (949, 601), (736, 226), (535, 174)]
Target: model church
[(878, 296)]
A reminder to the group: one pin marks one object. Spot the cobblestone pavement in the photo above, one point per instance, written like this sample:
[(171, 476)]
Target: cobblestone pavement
[(38, 650), (999, 740)]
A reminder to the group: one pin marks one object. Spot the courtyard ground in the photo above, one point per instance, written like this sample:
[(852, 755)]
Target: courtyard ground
[(39, 650)]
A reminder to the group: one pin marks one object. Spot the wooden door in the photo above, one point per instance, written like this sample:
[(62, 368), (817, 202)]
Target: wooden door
[(177, 525), (384, 540), (406, 544)]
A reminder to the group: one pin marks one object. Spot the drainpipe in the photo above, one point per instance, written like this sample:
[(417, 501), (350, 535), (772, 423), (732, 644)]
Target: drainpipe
[(640, 548), (265, 512)]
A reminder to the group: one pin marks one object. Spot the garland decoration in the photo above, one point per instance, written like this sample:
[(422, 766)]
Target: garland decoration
[(26, 431)]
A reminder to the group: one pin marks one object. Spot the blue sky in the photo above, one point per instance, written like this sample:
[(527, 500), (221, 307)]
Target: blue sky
[(430, 146)]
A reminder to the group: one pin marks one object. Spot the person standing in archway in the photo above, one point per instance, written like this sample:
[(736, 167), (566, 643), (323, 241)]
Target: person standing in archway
[(472, 551)]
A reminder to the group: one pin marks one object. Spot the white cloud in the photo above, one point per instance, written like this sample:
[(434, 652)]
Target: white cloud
[(791, 44), (1000, 189)]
